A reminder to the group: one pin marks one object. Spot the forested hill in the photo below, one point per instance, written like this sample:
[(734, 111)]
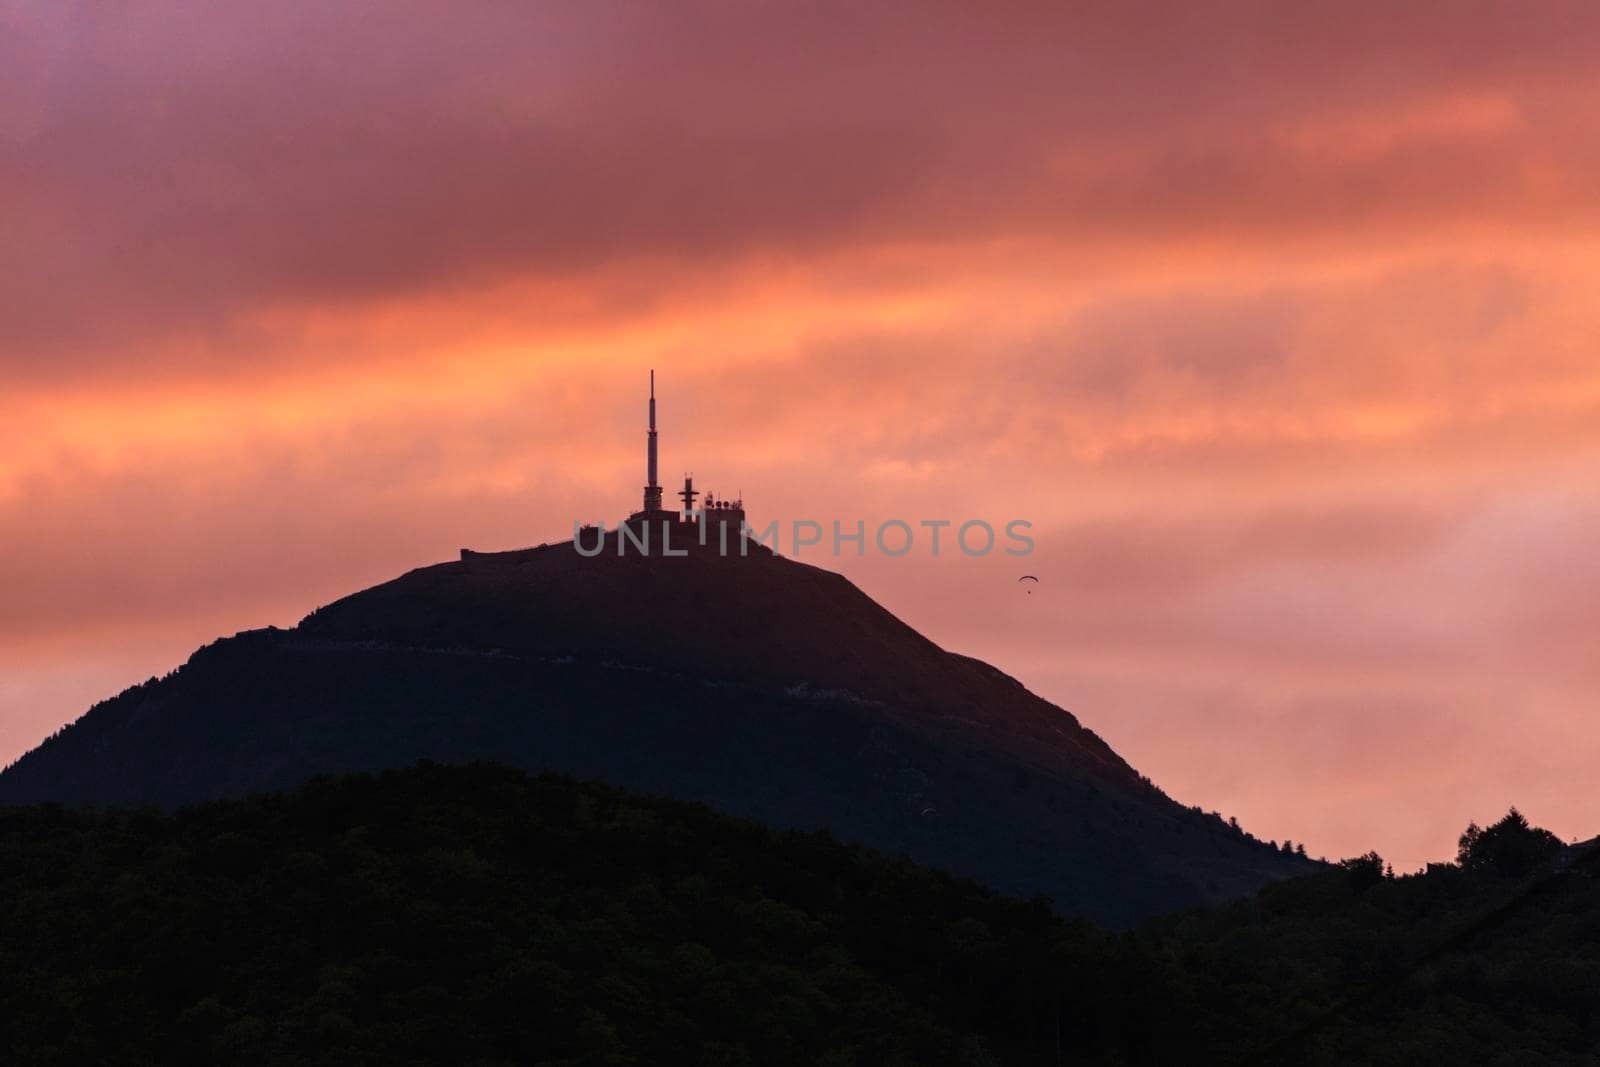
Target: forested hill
[(478, 915)]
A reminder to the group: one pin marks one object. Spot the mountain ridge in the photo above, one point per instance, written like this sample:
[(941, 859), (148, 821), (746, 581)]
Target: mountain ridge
[(766, 687)]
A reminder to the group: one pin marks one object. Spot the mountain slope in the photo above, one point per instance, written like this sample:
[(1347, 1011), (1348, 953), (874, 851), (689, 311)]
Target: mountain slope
[(760, 685)]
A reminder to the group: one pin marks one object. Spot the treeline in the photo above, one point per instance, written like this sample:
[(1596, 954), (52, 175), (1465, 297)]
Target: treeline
[(1231, 825), (480, 915)]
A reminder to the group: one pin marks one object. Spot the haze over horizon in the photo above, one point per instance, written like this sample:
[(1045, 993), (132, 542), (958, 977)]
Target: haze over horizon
[(1276, 325)]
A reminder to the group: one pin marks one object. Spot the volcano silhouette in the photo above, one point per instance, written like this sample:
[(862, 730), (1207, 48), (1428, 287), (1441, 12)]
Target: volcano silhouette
[(764, 687)]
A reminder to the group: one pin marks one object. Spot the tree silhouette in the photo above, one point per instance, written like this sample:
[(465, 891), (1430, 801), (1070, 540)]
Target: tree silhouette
[(1510, 848), (1364, 871)]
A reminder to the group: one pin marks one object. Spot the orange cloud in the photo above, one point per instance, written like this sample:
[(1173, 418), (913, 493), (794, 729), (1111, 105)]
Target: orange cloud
[(1276, 324)]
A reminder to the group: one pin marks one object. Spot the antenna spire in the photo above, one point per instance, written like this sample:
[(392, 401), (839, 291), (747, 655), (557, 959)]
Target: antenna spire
[(652, 491)]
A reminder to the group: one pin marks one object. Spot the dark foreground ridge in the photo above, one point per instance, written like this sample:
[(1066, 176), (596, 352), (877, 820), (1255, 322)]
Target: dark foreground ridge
[(765, 687), (477, 915)]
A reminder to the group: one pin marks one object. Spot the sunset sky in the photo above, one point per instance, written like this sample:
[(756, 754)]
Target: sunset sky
[(1278, 322)]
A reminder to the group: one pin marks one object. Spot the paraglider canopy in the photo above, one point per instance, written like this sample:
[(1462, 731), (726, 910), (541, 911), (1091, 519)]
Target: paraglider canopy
[(1029, 578)]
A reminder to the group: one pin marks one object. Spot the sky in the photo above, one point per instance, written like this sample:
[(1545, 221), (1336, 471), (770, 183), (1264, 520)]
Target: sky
[(1277, 322)]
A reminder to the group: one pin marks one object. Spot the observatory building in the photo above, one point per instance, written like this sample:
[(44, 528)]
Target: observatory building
[(717, 521), (716, 524)]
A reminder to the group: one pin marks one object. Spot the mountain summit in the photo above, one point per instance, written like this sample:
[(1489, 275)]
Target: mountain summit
[(760, 685)]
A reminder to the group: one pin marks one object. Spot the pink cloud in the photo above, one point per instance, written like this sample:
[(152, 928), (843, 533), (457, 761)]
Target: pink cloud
[(1277, 324)]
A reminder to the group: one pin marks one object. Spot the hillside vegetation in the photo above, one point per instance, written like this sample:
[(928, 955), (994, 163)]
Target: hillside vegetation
[(479, 915)]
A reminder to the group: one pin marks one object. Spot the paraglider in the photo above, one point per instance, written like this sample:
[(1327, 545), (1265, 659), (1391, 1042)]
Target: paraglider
[(1029, 578)]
